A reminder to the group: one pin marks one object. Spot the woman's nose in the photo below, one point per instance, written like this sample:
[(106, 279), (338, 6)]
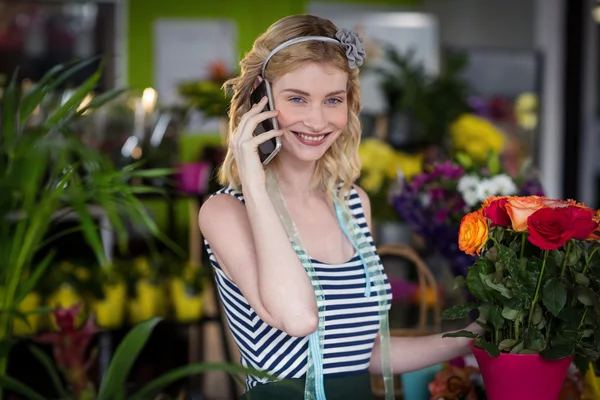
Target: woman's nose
[(316, 119)]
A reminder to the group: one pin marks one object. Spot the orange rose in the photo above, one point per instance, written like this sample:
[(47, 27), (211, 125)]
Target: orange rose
[(554, 203), (473, 233), (520, 208)]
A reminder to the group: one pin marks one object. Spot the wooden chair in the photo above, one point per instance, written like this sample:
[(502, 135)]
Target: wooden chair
[(427, 283)]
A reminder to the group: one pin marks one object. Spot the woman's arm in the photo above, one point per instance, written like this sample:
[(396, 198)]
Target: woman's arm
[(413, 353), (254, 251)]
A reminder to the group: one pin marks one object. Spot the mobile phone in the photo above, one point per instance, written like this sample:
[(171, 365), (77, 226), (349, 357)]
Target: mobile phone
[(269, 149)]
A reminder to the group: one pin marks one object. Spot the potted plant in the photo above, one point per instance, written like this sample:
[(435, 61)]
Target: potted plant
[(536, 282), (71, 361), (46, 173)]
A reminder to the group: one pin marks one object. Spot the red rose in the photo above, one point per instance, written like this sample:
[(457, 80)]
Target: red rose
[(550, 228), (496, 212), (583, 222)]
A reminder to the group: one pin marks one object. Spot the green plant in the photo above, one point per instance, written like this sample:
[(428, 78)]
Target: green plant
[(537, 282), (46, 173), (433, 102), (70, 346)]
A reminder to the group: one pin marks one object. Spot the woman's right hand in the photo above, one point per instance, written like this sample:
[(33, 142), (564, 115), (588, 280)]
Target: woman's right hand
[(244, 145)]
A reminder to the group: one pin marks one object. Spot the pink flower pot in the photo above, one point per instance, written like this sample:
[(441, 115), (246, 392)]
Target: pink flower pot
[(521, 376)]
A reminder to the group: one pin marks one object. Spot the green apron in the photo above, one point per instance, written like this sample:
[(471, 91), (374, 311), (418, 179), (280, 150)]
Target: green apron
[(355, 387)]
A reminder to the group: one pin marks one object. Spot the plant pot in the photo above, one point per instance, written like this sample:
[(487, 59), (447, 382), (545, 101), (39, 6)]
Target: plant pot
[(521, 376)]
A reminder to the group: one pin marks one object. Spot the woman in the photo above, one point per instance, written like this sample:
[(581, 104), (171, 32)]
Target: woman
[(303, 289)]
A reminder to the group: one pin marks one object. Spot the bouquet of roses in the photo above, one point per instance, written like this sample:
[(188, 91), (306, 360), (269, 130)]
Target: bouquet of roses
[(537, 277)]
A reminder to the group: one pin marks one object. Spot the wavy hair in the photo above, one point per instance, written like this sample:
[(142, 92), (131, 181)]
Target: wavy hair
[(340, 165)]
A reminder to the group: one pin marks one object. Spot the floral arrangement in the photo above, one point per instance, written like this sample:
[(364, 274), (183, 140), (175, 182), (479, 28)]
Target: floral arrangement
[(455, 383), (380, 164), (434, 202), (536, 279)]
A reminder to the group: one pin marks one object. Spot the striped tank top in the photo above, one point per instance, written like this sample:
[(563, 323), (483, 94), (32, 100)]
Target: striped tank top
[(351, 318)]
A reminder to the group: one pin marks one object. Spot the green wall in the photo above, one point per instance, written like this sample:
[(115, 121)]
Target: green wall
[(253, 17)]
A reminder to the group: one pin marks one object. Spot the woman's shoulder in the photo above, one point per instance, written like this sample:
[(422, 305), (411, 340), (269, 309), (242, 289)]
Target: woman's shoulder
[(222, 207)]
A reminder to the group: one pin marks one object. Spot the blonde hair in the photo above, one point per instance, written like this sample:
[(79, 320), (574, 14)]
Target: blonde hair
[(340, 164)]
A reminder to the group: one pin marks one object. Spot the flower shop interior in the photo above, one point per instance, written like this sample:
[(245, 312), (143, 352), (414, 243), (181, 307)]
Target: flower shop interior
[(112, 127)]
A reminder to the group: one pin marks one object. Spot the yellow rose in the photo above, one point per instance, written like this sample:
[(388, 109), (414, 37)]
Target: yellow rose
[(473, 233), (520, 208)]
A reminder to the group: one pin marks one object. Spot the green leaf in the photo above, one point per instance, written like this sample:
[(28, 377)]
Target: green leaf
[(533, 340), (74, 101), (487, 280), (113, 383), (459, 311), (9, 107), (154, 388), (47, 362), (587, 333), (581, 279), (574, 255), (529, 351), (459, 282), (495, 317), (490, 348), (475, 284), (494, 165), (560, 347), (571, 315), (509, 259), (517, 349), (102, 99), (459, 334), (554, 296), (10, 383), (586, 296), (509, 313), (464, 160), (507, 344), (537, 314), (29, 285)]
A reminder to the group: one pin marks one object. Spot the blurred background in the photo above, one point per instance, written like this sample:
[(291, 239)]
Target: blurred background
[(461, 99)]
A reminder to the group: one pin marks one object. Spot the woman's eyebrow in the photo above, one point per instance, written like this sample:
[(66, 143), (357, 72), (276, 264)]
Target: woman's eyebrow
[(303, 93)]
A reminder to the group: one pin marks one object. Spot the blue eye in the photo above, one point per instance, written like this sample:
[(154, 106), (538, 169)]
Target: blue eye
[(295, 99), (334, 101)]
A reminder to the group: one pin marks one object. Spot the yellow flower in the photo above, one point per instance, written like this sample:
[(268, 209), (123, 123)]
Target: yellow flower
[(526, 107), (30, 303), (409, 164), (110, 311), (380, 162), (476, 137)]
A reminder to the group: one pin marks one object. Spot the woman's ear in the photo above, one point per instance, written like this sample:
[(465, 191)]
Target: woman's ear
[(257, 82)]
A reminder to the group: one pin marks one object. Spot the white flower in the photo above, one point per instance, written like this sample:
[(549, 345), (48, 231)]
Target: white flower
[(471, 197), (486, 188), (504, 184), (468, 183), (425, 199)]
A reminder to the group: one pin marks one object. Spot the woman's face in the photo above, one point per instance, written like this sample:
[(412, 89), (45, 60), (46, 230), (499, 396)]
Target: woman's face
[(313, 109)]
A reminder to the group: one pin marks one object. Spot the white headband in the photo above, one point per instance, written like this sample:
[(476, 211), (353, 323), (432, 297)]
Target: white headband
[(350, 41)]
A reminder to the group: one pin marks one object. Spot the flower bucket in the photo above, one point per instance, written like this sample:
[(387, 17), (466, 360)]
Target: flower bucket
[(521, 376), (110, 311), (187, 306), (193, 177)]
